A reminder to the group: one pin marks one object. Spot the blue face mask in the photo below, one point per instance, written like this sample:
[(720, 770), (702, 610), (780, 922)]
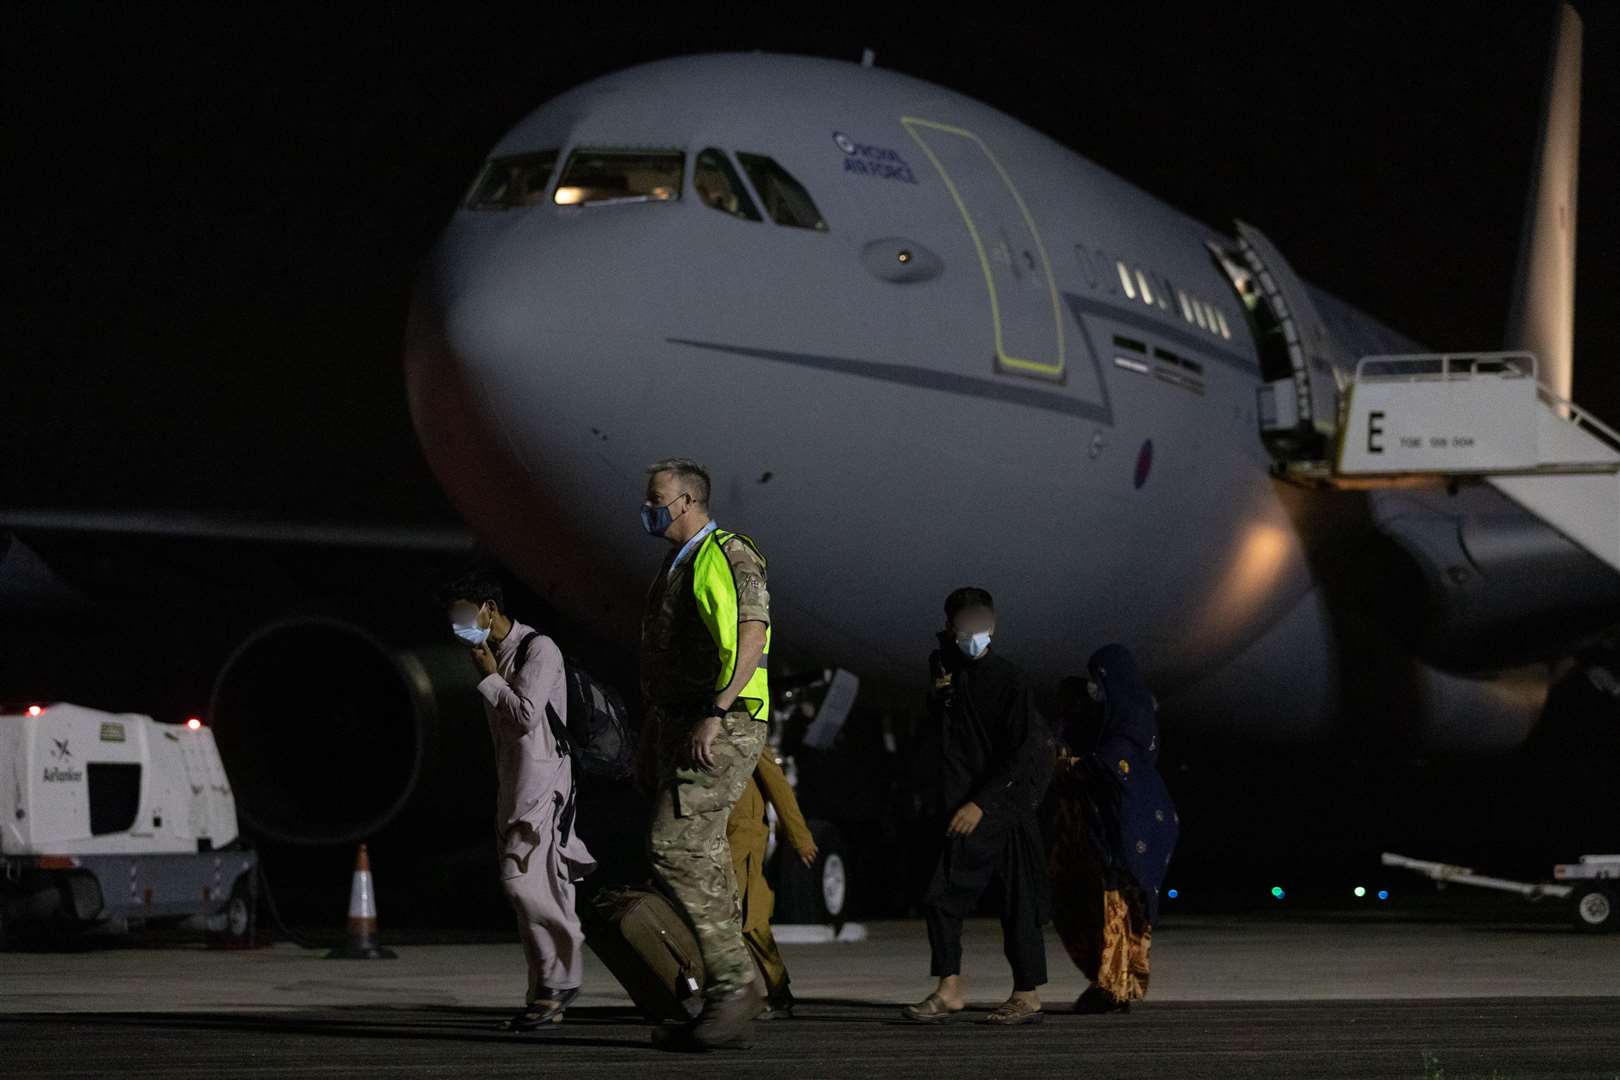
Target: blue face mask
[(974, 646), (470, 632), (472, 635), (657, 519)]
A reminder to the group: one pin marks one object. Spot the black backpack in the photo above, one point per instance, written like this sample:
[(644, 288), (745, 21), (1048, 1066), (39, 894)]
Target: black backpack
[(598, 736)]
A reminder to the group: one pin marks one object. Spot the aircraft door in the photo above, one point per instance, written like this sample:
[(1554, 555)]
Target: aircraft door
[(1026, 320), (1314, 355)]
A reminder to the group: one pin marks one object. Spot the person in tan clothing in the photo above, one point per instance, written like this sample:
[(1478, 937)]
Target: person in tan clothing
[(748, 831)]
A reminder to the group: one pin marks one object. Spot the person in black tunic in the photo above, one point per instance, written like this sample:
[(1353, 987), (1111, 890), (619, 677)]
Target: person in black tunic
[(994, 757)]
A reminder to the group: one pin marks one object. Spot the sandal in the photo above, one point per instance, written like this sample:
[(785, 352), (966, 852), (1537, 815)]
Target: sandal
[(930, 1010), (537, 1015), (1013, 1013)]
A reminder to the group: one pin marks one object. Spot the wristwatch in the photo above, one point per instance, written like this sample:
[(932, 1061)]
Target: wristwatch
[(715, 709)]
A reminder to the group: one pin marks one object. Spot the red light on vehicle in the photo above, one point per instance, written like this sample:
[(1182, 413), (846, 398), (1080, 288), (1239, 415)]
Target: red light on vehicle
[(194, 724), (34, 710), (56, 862)]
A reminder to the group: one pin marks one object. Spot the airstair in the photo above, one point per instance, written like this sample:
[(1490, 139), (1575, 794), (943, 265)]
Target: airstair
[(1430, 418)]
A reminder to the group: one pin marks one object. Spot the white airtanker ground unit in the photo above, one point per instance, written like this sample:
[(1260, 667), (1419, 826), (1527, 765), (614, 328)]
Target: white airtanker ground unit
[(112, 821)]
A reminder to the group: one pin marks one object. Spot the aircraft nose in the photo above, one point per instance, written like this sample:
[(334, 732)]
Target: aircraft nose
[(446, 386), (551, 325), (485, 310), (488, 342), (521, 405)]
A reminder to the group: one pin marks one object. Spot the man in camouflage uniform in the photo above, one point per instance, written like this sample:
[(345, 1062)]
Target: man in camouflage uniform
[(703, 735)]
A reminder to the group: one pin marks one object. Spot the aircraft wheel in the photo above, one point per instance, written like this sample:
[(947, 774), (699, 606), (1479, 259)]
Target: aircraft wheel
[(819, 893)]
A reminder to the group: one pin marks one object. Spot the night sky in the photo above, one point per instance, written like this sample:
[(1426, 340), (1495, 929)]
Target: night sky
[(215, 211)]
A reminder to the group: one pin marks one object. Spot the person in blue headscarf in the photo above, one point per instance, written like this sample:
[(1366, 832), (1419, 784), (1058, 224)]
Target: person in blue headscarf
[(1114, 831)]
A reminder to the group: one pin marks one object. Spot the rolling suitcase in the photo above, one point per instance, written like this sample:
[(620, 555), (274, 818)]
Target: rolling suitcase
[(650, 949)]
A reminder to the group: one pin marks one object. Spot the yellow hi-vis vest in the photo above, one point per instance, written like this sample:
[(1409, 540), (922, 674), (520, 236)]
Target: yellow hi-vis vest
[(715, 590)]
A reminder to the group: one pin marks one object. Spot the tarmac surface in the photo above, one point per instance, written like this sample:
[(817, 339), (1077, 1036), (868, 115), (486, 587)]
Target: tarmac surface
[(1246, 996)]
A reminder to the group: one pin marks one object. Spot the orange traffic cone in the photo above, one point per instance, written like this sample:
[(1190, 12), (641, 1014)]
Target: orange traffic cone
[(362, 944)]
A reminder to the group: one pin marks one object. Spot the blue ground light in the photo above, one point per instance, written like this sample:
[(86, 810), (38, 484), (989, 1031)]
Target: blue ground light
[(1173, 893), (1383, 894)]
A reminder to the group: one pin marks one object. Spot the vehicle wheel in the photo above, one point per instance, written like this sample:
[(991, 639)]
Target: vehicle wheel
[(1594, 909), (819, 893), (237, 917)]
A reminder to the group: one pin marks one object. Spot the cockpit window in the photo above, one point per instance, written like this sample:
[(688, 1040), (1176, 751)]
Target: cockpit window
[(508, 182), (719, 186), (607, 176), (785, 199)]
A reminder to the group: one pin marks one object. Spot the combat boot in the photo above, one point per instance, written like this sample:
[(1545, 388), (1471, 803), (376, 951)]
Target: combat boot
[(725, 1020)]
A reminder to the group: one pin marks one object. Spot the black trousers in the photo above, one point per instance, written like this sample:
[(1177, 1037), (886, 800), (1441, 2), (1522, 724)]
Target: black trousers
[(966, 870)]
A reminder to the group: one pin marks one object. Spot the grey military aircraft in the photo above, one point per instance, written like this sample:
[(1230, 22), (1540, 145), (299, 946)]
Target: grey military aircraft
[(920, 344)]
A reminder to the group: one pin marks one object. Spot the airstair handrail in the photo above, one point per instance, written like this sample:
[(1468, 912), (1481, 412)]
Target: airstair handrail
[(1580, 417), (1413, 367)]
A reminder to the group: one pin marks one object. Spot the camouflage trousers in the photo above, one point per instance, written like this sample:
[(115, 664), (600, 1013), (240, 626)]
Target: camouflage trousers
[(688, 840)]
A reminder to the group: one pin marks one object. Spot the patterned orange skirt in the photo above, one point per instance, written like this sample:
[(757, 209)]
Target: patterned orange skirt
[(1105, 930)]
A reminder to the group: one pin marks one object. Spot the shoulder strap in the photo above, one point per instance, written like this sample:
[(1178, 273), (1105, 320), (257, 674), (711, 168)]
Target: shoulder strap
[(558, 731), (523, 650)]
